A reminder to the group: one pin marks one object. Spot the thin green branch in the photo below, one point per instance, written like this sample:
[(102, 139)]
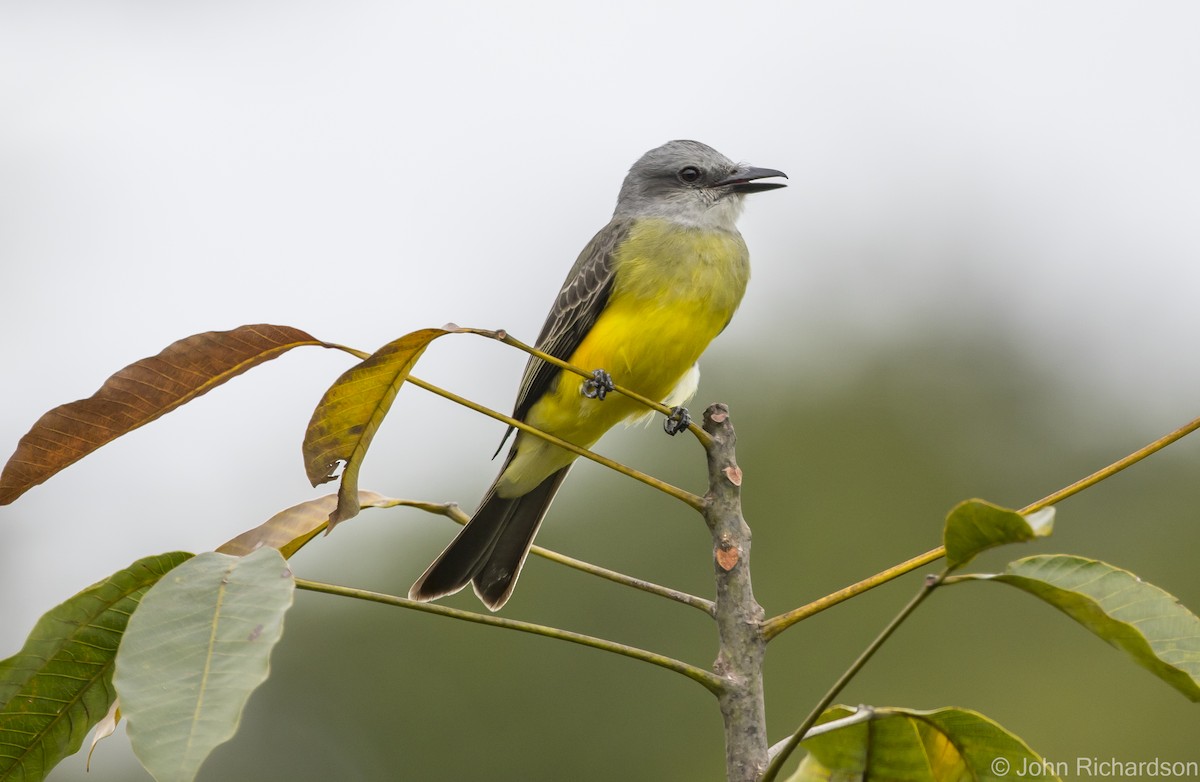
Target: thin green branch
[(776, 625), (649, 480), (787, 747), (711, 681), (1114, 468), (455, 513), (503, 336)]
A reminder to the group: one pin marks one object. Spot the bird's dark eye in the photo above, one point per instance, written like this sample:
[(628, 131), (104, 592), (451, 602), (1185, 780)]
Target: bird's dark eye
[(689, 175)]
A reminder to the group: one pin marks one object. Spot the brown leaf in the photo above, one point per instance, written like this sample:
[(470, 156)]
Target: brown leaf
[(351, 411), (291, 528), (138, 394)]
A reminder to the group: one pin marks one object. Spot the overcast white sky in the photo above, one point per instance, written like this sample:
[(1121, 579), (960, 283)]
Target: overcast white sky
[(364, 169)]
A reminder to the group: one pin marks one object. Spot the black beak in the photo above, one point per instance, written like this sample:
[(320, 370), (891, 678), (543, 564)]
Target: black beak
[(743, 180)]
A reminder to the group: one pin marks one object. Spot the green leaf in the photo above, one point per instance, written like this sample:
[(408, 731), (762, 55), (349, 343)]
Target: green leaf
[(974, 526), (291, 528), (944, 745), (60, 684), (351, 411), (138, 394), (1139, 618), (198, 646)]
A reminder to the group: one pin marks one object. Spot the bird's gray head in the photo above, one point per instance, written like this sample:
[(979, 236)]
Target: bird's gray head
[(691, 183)]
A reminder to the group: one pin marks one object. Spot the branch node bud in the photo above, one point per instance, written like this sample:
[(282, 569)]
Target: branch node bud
[(727, 553)]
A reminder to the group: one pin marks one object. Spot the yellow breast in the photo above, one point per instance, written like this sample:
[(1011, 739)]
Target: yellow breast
[(675, 289)]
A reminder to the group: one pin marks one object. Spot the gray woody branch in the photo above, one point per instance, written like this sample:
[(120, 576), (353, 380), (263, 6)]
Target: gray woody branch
[(739, 617)]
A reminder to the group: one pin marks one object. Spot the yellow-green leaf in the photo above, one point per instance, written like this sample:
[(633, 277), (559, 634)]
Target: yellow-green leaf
[(943, 745), (974, 526), (138, 394), (1150, 625), (351, 411)]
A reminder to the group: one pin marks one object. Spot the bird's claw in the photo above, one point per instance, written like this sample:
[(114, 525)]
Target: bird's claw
[(598, 385), (677, 421)]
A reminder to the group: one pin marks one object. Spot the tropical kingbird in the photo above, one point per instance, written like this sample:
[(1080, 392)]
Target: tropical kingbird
[(643, 300)]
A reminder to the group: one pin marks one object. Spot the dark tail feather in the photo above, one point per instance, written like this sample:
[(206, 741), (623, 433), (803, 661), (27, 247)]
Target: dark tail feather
[(491, 549), (494, 582)]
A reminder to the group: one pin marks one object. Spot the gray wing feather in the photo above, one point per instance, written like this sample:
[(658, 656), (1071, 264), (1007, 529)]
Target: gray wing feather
[(582, 298)]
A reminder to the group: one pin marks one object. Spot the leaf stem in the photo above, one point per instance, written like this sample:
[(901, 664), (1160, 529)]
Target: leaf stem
[(776, 625), (711, 681), (1114, 468), (503, 336), (352, 351), (786, 747), (861, 714), (455, 513), (649, 480)]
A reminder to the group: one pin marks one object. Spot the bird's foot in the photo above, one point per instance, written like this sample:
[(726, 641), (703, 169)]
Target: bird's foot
[(677, 421), (597, 386)]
